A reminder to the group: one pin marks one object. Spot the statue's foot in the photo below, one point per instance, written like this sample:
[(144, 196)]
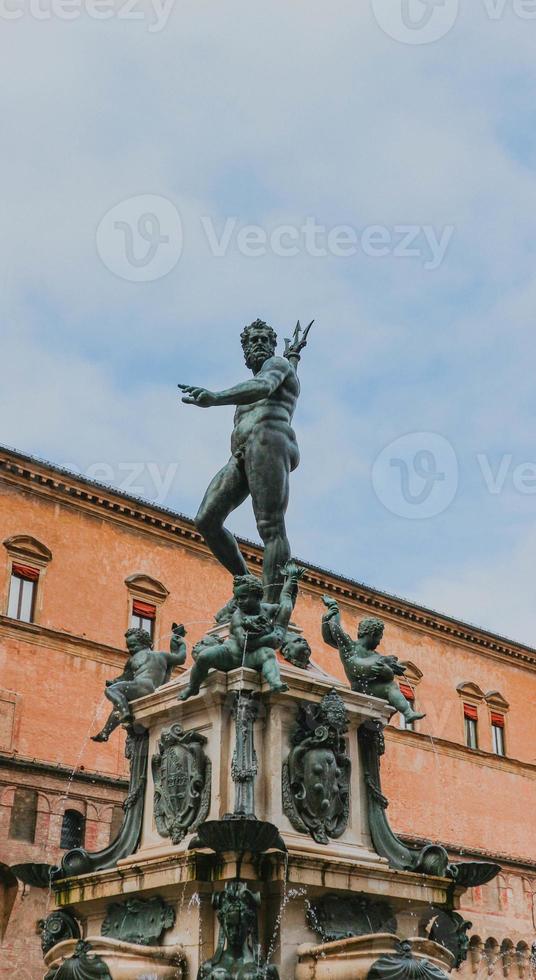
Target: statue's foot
[(280, 687), (100, 737), (188, 692), (414, 716)]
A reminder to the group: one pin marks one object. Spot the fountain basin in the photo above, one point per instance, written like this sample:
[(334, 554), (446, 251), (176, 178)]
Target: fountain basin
[(353, 958), (125, 960), (240, 834)]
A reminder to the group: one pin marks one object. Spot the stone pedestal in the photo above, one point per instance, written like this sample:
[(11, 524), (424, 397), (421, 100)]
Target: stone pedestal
[(288, 883)]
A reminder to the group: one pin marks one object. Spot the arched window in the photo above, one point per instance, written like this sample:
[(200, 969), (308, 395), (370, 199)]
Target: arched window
[(475, 952), (507, 951), (522, 958), (491, 953), (72, 830)]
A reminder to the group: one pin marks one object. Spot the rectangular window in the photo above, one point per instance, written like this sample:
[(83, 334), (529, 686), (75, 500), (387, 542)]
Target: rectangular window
[(497, 733), (22, 592), (23, 815), (409, 694), (471, 726), (143, 616)]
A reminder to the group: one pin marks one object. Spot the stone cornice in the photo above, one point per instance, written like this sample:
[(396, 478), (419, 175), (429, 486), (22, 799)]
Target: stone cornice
[(475, 757), (77, 646), (45, 479)]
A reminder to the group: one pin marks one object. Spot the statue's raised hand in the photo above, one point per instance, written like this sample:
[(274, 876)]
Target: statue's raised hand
[(291, 570), (332, 604), (198, 396), (294, 347)]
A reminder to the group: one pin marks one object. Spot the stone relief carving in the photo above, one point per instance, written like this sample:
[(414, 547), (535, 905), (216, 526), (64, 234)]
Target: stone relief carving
[(182, 776), (57, 926), (316, 774), (334, 916), (138, 921)]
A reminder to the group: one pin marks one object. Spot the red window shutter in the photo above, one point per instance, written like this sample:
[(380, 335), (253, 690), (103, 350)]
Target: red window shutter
[(470, 711), (25, 571), (143, 609), (407, 691), (497, 719)]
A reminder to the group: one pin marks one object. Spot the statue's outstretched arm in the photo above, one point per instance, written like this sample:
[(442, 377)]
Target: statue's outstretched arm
[(270, 377)]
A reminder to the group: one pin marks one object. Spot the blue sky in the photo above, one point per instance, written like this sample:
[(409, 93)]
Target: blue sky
[(217, 117)]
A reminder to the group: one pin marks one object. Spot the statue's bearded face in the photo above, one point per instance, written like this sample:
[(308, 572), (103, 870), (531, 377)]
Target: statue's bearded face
[(258, 347)]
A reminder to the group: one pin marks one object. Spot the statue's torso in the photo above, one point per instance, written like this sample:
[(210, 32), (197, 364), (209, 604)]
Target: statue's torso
[(358, 663), (274, 412), (146, 665)]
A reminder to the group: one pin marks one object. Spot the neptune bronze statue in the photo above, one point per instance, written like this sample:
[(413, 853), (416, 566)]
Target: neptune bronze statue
[(264, 452)]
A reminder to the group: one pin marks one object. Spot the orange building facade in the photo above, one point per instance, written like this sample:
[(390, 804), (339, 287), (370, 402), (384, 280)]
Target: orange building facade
[(79, 563)]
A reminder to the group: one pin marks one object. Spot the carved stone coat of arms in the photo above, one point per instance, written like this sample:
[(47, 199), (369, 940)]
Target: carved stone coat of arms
[(316, 774), (181, 774)]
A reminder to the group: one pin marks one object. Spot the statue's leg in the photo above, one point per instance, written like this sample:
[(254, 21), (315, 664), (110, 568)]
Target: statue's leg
[(117, 694), (265, 660), (269, 460), (398, 701), (226, 492), (112, 723), (215, 658)]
